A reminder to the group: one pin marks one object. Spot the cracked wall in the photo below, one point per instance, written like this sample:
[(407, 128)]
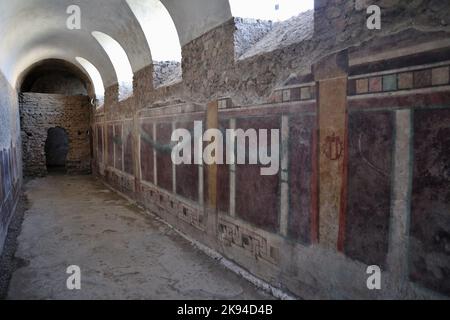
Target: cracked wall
[(41, 112)]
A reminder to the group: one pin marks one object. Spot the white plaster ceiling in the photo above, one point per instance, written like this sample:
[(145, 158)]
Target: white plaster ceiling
[(35, 30)]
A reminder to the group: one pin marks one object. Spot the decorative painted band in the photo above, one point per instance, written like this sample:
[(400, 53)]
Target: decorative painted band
[(401, 80), (301, 93), (234, 235)]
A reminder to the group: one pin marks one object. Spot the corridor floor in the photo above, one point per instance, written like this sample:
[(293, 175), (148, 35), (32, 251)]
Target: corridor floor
[(122, 252)]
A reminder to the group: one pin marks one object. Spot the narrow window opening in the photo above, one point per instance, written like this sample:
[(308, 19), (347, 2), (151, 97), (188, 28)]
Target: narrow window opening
[(56, 150)]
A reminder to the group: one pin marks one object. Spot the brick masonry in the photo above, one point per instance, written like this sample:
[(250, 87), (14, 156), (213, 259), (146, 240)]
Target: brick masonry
[(40, 112)]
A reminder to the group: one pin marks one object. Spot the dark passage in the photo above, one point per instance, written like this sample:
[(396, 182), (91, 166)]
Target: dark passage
[(56, 149)]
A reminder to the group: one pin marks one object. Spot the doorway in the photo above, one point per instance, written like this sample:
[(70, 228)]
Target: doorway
[(56, 150)]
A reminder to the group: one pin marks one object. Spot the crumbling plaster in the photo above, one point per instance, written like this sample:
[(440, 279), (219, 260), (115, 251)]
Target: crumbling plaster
[(34, 31)]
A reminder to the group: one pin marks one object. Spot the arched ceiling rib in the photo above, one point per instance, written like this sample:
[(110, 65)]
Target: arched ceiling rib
[(95, 77), (120, 61), (33, 30), (194, 17), (54, 68)]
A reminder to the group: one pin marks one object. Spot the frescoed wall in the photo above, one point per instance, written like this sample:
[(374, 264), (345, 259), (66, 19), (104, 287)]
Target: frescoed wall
[(363, 121)]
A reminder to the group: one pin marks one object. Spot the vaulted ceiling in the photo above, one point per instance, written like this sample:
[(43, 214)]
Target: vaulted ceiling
[(35, 30)]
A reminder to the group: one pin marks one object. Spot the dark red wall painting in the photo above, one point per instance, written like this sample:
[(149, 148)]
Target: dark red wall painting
[(187, 174), (118, 147), (163, 158), (301, 175), (430, 203), (147, 156), (128, 160), (371, 141), (257, 196)]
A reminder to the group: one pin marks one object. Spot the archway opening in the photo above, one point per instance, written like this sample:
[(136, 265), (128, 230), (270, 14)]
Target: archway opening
[(55, 94), (56, 150), (54, 76)]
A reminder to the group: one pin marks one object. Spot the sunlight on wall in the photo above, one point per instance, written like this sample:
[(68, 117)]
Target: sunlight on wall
[(275, 10), (159, 29), (96, 79), (120, 62)]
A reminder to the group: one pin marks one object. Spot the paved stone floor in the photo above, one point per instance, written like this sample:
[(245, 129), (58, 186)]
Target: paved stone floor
[(122, 252)]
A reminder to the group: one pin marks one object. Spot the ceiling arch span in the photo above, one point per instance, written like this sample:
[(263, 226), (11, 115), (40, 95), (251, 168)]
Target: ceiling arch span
[(32, 30), (50, 45), (154, 17), (55, 76)]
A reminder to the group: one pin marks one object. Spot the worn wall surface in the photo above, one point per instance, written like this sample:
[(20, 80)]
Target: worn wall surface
[(430, 222), (41, 112), (362, 177), (10, 155)]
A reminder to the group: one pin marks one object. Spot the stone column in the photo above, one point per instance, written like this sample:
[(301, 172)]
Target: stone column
[(331, 77)]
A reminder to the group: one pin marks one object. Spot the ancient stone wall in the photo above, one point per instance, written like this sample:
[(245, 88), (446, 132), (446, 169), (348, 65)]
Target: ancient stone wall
[(354, 109), (343, 22), (39, 113), (166, 73)]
